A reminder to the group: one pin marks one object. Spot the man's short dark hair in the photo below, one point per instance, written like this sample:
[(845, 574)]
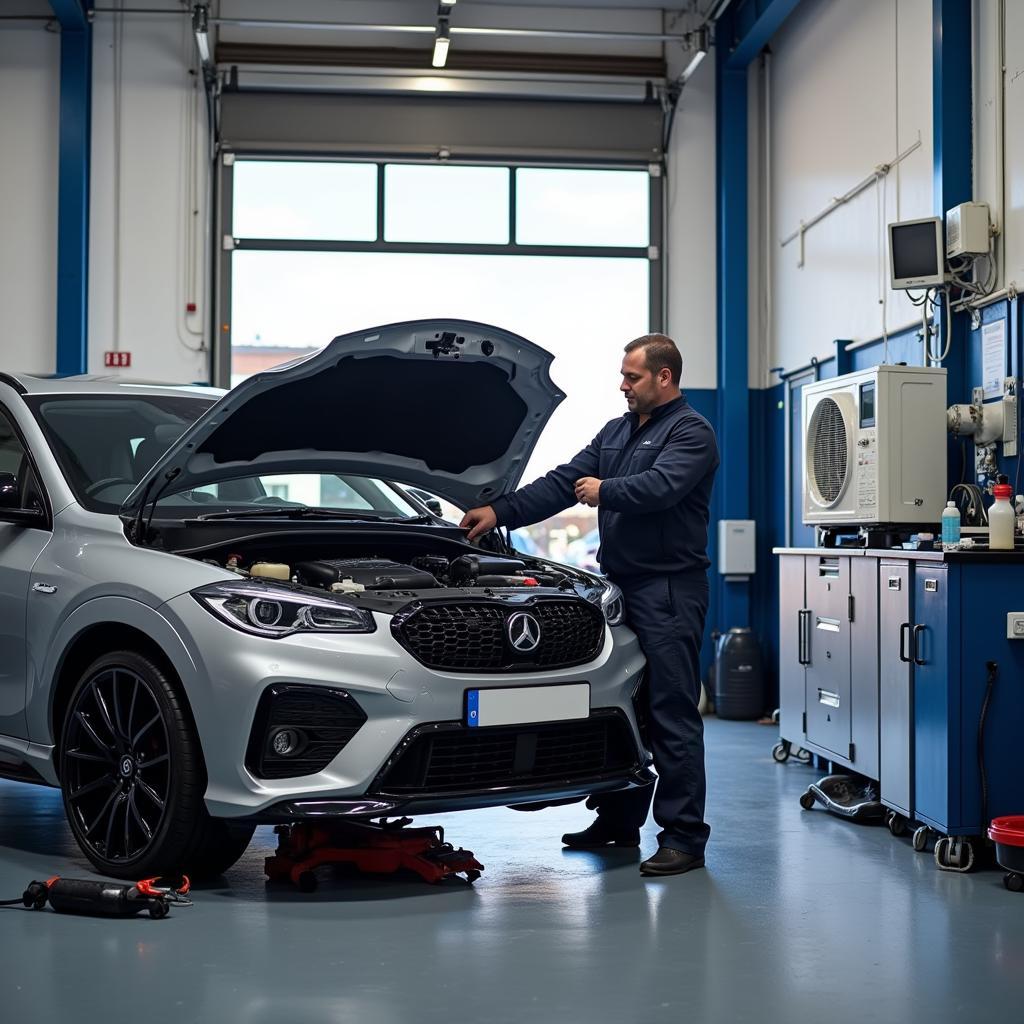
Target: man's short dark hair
[(660, 353)]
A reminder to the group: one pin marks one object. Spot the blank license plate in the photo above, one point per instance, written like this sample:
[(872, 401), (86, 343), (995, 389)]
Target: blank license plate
[(525, 705)]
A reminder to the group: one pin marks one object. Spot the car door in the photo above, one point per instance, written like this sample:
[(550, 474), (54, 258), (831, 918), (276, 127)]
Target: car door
[(24, 532)]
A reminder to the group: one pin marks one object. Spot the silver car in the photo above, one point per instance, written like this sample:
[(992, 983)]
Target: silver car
[(225, 609)]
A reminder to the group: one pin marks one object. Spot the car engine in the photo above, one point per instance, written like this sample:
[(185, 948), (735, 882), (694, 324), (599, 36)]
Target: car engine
[(422, 572)]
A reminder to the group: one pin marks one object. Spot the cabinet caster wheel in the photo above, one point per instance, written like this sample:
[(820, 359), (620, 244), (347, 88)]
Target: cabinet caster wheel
[(897, 823), (921, 838), (780, 752), (954, 853), (807, 800), (804, 756), (307, 882), (1013, 881)]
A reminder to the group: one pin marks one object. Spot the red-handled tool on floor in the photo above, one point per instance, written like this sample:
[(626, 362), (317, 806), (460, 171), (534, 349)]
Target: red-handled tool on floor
[(106, 899)]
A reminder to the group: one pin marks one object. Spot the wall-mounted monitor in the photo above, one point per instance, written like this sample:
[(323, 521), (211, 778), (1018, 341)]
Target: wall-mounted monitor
[(917, 253)]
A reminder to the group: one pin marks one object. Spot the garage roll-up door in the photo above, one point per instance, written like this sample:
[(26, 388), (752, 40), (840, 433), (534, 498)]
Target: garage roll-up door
[(467, 128)]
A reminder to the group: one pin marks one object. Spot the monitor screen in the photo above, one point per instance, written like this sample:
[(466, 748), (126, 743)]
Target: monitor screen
[(914, 251)]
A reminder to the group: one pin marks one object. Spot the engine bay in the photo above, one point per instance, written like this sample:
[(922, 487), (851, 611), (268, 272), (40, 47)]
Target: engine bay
[(355, 575)]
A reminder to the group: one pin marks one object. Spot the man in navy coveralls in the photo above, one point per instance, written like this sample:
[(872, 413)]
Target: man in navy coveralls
[(649, 473)]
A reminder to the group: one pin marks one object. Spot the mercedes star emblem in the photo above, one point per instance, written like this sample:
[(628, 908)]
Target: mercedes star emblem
[(523, 632)]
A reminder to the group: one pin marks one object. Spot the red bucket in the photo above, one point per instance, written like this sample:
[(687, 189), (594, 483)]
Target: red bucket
[(1008, 835)]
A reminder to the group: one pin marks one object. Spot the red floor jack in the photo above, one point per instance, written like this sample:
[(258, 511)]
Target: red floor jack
[(376, 849)]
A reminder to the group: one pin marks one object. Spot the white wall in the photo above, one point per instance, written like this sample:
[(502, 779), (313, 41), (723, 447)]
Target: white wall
[(691, 230), (29, 109), (992, 106), (850, 88), (137, 281)]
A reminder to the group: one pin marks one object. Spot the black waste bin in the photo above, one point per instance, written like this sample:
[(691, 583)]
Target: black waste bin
[(739, 676)]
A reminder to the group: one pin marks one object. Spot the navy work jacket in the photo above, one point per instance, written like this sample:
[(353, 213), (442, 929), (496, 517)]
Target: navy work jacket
[(655, 491)]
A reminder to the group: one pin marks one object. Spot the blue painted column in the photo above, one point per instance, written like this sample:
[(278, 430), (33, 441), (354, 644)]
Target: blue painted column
[(734, 477), (953, 183), (741, 33), (73, 186)]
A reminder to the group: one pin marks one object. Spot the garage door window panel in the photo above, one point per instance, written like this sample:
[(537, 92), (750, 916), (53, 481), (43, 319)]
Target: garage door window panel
[(315, 200), (563, 206), (446, 204)]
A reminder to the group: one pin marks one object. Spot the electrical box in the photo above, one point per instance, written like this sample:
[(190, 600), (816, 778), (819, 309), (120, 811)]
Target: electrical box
[(967, 230), (737, 550)]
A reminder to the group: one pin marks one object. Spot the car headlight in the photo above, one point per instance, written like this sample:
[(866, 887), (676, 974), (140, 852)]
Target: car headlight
[(270, 611), (613, 605)]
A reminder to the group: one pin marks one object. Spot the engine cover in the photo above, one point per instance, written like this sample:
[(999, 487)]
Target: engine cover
[(372, 573)]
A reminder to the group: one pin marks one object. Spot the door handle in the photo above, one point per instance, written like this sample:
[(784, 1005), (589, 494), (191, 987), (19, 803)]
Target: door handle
[(803, 621), (904, 632), (918, 630)]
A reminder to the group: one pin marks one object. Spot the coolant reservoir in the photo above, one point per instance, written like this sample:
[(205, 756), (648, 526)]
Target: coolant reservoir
[(347, 586), (271, 570)]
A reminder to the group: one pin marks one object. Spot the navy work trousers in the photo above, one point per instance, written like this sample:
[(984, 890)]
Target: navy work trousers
[(667, 614)]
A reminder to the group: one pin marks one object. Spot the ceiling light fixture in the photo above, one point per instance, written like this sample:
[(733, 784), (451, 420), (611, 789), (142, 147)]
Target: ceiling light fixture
[(699, 42), (441, 44)]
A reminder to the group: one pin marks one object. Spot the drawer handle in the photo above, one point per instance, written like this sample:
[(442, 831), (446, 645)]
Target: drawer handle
[(829, 625), (802, 653), (827, 698), (895, 583), (931, 586), (904, 633), (918, 630)]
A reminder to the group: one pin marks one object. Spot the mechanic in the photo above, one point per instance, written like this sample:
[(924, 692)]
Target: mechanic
[(649, 473)]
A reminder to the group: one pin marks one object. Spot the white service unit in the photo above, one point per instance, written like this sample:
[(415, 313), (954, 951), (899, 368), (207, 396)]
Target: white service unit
[(737, 547), (874, 447)]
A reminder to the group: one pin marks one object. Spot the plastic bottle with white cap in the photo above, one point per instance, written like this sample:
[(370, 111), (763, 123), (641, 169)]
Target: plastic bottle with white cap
[(1001, 519), (951, 527)]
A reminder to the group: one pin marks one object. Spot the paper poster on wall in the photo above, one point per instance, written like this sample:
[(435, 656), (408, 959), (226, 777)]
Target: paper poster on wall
[(993, 357)]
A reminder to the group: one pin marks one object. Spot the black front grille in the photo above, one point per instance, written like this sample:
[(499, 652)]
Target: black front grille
[(324, 720), (473, 636), (450, 758)]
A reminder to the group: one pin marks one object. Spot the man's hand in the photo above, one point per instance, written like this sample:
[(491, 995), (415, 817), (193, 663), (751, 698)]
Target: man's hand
[(588, 490), (479, 521)]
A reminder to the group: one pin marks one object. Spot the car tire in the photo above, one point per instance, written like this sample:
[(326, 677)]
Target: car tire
[(133, 778)]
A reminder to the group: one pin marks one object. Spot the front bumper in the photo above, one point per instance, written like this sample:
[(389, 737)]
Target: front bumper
[(379, 806), (398, 695)]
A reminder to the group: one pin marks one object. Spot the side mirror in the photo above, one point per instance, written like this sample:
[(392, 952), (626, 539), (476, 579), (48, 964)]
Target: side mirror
[(10, 491), (11, 510)]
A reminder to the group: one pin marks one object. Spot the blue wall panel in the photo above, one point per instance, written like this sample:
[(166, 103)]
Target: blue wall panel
[(705, 401)]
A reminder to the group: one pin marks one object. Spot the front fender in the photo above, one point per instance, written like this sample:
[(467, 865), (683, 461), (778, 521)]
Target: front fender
[(97, 612)]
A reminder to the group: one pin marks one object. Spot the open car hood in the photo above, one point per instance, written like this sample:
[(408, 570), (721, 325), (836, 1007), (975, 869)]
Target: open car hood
[(451, 406)]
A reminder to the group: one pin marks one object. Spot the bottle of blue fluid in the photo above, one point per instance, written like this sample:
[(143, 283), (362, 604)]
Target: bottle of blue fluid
[(951, 527)]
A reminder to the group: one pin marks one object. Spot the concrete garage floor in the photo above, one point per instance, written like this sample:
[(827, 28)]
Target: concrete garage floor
[(801, 917)]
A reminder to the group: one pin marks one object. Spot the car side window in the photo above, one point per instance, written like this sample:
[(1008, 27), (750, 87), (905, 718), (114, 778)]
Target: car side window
[(14, 460)]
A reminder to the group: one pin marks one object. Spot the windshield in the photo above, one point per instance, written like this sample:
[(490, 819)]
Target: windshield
[(105, 444)]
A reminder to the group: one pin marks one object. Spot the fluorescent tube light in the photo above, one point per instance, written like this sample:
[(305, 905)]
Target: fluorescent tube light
[(700, 43), (441, 43)]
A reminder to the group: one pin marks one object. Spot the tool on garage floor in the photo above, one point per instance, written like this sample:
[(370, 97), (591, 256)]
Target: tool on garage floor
[(106, 899), (374, 848), (845, 795)]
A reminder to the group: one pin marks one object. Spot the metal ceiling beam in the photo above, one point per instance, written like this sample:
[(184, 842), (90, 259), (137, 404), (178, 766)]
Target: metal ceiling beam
[(753, 23), (72, 354)]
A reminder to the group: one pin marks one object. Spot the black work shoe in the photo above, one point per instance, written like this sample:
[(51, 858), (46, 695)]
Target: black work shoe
[(600, 834), (670, 862)]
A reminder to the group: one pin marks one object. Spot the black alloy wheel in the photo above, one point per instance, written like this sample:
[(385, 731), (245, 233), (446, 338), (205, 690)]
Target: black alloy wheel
[(117, 765), (133, 777)]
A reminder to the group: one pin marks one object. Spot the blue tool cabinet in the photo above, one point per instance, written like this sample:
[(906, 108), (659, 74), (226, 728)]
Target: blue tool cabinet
[(884, 667)]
